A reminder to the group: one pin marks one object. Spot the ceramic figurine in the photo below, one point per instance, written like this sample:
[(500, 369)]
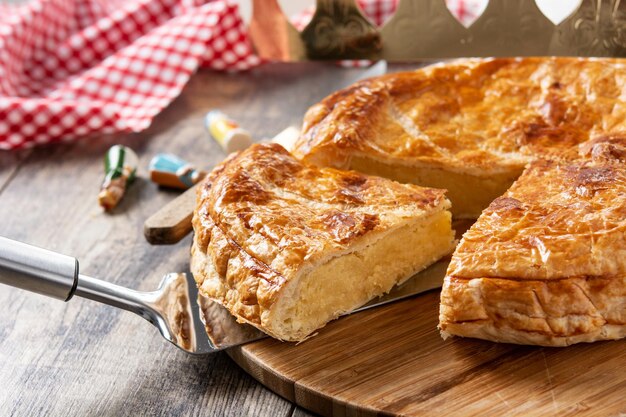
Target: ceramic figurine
[(226, 132), (169, 170), (120, 167)]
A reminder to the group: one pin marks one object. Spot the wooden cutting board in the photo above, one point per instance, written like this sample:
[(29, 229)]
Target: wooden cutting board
[(392, 361)]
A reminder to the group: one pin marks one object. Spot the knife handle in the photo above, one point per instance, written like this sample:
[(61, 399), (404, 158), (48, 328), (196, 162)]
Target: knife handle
[(38, 270)]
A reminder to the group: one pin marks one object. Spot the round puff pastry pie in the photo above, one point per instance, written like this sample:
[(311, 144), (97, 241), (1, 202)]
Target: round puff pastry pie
[(287, 246), (545, 264), (469, 126)]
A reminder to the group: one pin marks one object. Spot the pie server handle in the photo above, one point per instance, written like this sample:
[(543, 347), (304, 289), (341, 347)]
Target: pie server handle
[(38, 270), (49, 273), (172, 308)]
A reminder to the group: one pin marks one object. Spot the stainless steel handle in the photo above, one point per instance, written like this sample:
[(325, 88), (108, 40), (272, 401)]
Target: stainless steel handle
[(48, 273), (55, 275), (45, 272), (37, 270)]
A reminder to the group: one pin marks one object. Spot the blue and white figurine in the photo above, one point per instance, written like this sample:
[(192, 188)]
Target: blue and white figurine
[(169, 170)]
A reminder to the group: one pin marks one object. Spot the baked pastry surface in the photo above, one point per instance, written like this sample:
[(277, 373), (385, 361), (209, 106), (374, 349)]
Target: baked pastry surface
[(469, 126), (545, 263), (288, 246)]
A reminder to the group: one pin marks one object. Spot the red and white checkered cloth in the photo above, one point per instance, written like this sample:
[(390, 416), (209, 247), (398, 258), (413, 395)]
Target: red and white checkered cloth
[(74, 68)]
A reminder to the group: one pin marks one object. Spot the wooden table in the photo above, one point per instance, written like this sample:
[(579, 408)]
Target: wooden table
[(83, 358)]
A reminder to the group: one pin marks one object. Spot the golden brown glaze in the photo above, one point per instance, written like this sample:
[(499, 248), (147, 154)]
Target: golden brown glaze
[(479, 117), (262, 216), (546, 262)]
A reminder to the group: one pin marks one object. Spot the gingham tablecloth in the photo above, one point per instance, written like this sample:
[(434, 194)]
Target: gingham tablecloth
[(71, 69)]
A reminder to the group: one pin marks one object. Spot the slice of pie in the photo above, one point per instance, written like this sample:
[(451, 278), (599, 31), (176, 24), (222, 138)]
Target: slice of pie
[(287, 246), (545, 264), (469, 126)]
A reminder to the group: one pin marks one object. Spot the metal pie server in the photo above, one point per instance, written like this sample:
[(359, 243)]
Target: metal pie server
[(193, 323)]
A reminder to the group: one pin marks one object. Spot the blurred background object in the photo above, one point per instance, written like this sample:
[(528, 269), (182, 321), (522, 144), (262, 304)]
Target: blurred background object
[(70, 69)]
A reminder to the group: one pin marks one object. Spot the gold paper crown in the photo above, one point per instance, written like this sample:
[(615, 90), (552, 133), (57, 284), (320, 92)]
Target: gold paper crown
[(424, 29)]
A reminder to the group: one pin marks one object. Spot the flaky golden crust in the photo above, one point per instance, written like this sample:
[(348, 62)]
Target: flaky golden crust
[(262, 216), (479, 117), (558, 220), (546, 263), (538, 312)]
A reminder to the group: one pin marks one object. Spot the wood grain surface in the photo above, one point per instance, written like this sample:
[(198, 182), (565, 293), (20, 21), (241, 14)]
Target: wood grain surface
[(392, 361), (172, 222), (84, 359)]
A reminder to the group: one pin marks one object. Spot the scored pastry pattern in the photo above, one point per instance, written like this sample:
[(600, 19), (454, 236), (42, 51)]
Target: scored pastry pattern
[(474, 115)]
